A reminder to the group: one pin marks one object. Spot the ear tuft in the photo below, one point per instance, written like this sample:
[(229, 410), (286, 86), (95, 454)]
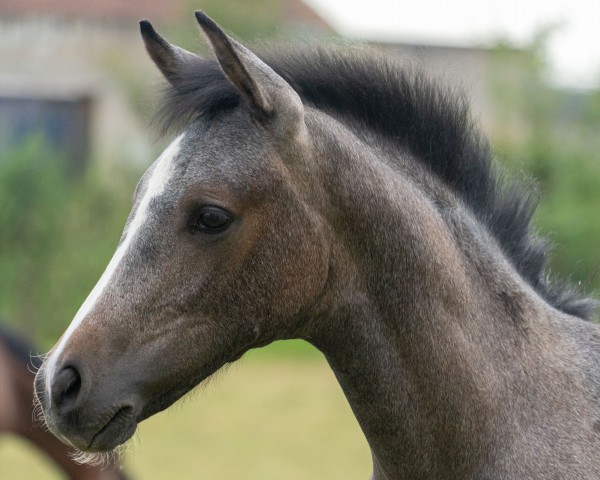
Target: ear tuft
[(168, 58), (237, 64), (207, 23), (146, 27)]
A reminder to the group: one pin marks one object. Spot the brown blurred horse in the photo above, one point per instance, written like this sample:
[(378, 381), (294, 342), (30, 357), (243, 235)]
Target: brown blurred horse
[(16, 410)]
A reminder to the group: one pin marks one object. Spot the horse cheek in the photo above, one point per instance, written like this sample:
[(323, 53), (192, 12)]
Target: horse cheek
[(303, 273)]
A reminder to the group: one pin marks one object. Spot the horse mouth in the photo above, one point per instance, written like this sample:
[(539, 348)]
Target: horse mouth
[(117, 430)]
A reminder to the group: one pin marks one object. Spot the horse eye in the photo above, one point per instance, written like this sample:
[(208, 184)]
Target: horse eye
[(210, 219)]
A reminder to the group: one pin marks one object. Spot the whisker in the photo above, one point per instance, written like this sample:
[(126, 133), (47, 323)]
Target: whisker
[(36, 360), (37, 414), (103, 460)]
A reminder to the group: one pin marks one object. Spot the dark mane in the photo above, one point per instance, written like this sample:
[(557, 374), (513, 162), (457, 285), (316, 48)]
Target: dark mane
[(405, 106)]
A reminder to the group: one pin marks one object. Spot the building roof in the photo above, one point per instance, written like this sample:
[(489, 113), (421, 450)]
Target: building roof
[(292, 11), (105, 10)]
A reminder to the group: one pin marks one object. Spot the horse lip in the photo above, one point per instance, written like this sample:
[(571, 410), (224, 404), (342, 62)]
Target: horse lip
[(117, 430)]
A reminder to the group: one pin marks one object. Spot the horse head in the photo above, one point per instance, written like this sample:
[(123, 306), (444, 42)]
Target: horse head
[(220, 254)]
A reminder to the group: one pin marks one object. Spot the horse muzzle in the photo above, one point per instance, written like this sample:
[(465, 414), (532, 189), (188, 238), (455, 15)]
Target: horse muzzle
[(89, 421)]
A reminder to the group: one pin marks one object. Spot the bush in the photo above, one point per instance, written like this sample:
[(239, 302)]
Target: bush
[(557, 143), (57, 233)]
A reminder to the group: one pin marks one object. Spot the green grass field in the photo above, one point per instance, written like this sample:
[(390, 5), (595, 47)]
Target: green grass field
[(273, 415)]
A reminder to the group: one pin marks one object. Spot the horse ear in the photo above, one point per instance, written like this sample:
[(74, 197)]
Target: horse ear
[(267, 94), (168, 58)]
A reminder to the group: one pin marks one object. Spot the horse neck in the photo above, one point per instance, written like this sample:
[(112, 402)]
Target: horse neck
[(421, 312)]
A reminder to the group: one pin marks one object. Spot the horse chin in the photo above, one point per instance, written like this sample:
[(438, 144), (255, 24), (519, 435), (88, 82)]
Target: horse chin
[(105, 438), (116, 431)]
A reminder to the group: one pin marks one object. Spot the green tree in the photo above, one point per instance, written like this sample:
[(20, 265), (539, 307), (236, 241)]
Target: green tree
[(551, 134), (57, 232)]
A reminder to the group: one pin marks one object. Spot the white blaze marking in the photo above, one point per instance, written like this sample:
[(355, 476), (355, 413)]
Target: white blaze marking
[(159, 179)]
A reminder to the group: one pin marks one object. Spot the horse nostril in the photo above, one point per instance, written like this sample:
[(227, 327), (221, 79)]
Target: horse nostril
[(65, 389)]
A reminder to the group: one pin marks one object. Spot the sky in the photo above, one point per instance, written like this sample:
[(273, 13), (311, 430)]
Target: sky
[(573, 49)]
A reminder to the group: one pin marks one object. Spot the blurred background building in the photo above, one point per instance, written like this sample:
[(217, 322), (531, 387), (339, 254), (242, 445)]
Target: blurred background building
[(83, 64), (67, 65)]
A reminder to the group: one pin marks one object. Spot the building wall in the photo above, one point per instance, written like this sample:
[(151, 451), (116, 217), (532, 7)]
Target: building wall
[(48, 58)]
